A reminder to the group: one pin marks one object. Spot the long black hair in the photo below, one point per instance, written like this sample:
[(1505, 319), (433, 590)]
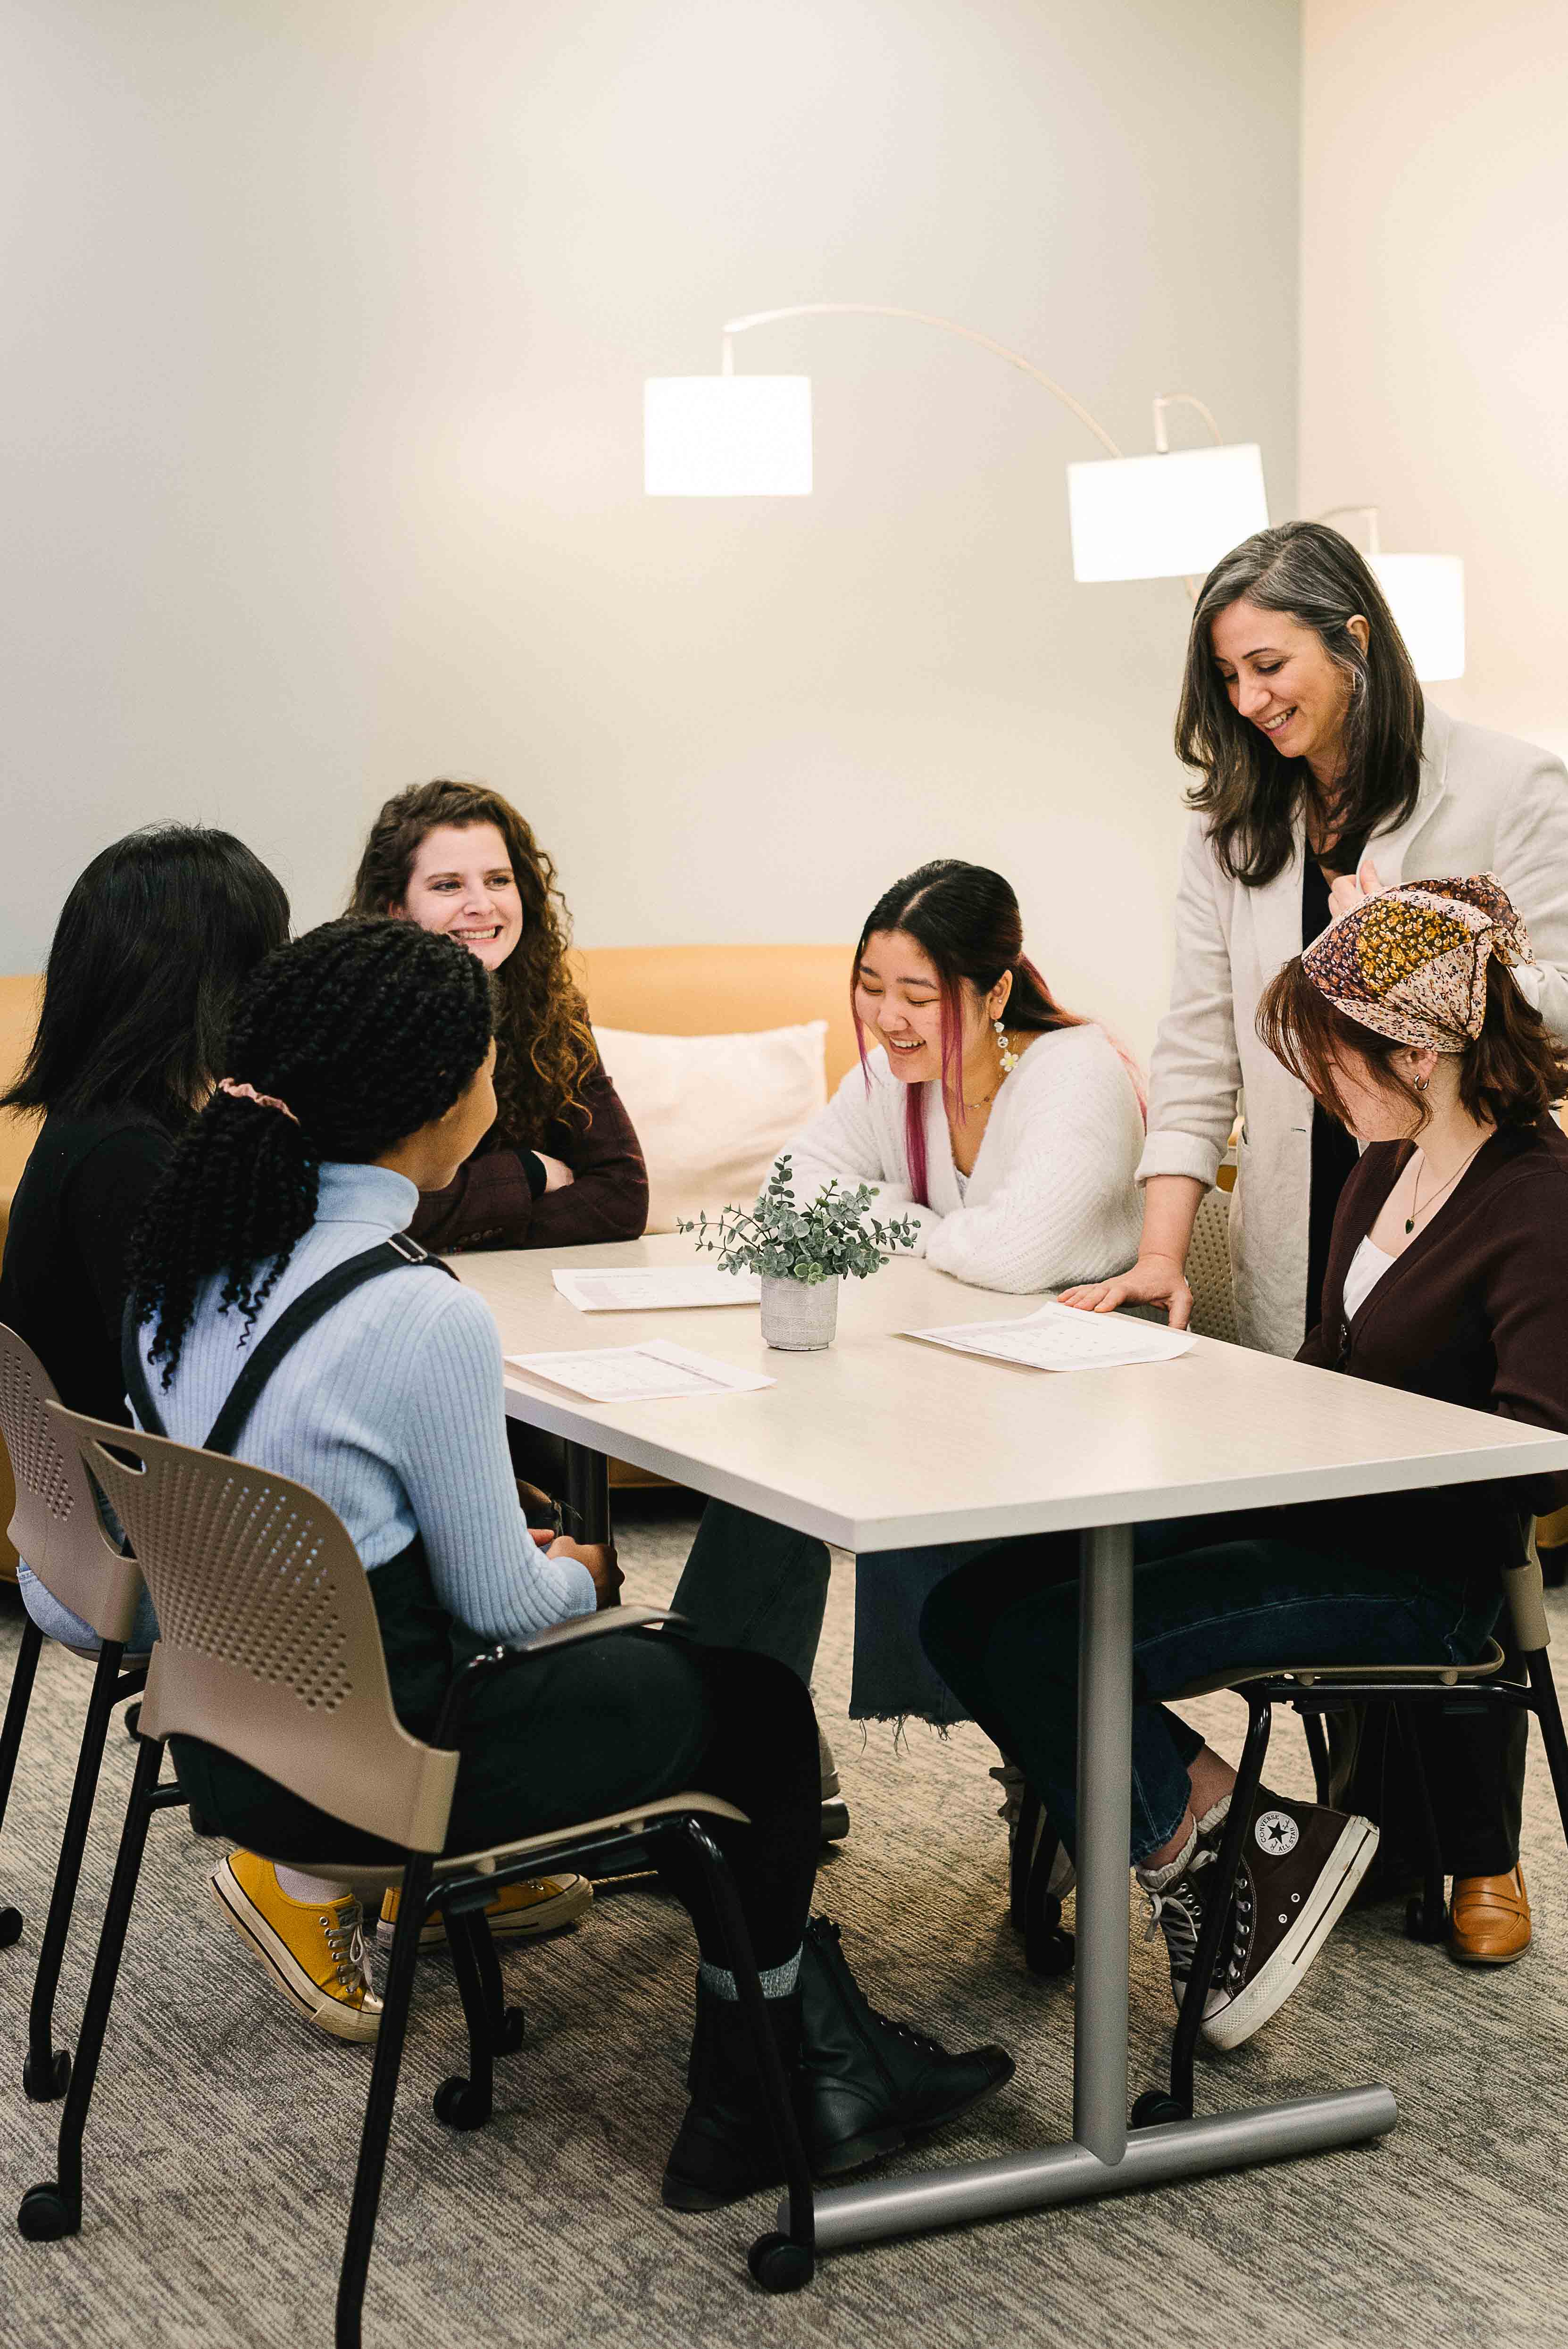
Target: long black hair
[(1249, 791), (366, 1031), (966, 918), (149, 950)]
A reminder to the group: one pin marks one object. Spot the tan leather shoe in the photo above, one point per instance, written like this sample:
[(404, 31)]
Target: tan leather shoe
[(1490, 1919)]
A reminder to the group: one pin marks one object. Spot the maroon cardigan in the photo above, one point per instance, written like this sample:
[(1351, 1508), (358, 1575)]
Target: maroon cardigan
[(1474, 1312), (490, 1205)]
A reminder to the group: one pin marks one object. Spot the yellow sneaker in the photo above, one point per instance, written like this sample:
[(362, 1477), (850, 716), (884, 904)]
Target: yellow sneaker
[(542, 1904), (316, 1954)]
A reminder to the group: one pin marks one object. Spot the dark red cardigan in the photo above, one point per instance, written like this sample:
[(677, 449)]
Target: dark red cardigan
[(1476, 1310), (490, 1205)]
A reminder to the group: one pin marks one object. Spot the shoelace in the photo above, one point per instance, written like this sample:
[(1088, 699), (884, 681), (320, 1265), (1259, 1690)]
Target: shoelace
[(345, 1928), (1178, 1913)]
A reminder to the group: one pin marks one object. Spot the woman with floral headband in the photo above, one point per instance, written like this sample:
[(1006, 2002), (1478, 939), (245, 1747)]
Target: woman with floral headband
[(1447, 1277)]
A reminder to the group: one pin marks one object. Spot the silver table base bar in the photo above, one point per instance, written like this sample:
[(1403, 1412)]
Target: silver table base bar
[(1071, 2173)]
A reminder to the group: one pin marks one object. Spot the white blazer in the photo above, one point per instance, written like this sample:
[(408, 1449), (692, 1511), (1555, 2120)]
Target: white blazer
[(1487, 803)]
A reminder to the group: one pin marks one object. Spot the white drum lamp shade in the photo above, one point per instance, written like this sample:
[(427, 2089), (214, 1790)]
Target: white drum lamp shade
[(1164, 517), (727, 436), (1427, 596)]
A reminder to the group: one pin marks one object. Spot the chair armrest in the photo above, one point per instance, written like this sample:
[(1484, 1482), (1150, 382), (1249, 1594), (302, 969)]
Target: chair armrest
[(596, 1626), (483, 1667)]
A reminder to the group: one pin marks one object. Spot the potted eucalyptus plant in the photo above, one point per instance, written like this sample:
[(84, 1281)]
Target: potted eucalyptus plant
[(801, 1254)]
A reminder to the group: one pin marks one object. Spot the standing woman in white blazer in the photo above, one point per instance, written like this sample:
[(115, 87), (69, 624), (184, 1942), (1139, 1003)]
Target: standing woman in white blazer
[(1323, 774)]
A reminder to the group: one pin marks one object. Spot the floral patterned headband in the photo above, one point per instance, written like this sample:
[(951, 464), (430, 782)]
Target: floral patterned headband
[(1411, 963)]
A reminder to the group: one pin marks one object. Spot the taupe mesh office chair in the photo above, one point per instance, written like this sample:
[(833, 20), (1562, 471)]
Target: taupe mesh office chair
[(1209, 1269), (56, 1530), (269, 1648)]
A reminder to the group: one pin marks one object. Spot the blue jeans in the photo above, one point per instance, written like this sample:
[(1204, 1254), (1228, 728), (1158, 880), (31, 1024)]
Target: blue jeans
[(754, 1585), (1214, 1593), (58, 1622)]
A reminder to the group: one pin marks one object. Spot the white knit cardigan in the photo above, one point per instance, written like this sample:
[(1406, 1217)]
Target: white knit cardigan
[(1052, 1198)]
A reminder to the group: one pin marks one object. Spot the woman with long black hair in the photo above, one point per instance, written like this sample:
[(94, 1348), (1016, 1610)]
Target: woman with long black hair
[(361, 1073), (1323, 773)]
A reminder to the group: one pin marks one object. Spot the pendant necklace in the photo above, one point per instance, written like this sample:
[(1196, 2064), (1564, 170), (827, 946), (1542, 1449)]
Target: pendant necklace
[(1415, 1186)]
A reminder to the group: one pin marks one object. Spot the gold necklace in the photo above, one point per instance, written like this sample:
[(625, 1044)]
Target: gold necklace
[(1416, 1185)]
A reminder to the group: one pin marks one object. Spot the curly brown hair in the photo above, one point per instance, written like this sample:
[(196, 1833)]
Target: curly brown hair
[(544, 1046)]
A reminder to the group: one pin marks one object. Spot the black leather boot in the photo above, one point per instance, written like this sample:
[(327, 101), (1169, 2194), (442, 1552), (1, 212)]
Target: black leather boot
[(725, 2147), (871, 2084)]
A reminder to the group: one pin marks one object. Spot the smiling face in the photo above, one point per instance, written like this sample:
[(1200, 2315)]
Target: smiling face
[(899, 997), (462, 884), (1281, 679)]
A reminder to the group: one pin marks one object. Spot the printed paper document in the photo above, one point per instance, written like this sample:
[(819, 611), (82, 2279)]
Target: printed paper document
[(639, 1373), (655, 1287), (1059, 1338)]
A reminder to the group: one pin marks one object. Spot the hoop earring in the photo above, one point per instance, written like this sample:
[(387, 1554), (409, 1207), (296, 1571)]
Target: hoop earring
[(1421, 1083), (1009, 1057)]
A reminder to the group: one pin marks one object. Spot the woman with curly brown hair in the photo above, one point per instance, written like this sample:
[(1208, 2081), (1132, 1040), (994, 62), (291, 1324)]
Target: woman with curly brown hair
[(561, 1163)]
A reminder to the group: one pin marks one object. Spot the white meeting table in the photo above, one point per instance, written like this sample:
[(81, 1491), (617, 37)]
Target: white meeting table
[(885, 1442)]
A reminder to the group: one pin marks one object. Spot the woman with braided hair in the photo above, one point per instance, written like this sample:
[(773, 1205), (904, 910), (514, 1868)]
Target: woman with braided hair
[(361, 1073), (561, 1163)]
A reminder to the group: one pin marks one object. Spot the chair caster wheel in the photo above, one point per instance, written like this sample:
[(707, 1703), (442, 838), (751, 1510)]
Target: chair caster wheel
[(1155, 2106), (780, 2265), (509, 2032), (835, 1822), (132, 1720), (10, 1927), (45, 2081), (460, 2103), (1050, 1953), (46, 2215), (1417, 1927)]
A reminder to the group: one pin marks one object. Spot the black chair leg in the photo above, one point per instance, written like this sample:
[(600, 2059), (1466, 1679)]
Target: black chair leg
[(55, 2208), (1177, 2104), (47, 2071), (778, 2262), (1317, 1749), (1548, 1712), (466, 2104), (17, 1705), (1427, 1912), (1049, 1949), (1025, 1836), (506, 2024), (379, 2104)]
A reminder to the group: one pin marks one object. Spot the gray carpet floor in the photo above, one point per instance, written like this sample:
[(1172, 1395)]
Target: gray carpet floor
[(223, 2132)]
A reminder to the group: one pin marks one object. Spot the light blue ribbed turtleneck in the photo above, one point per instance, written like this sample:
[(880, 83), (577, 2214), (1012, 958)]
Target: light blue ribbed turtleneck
[(392, 1408)]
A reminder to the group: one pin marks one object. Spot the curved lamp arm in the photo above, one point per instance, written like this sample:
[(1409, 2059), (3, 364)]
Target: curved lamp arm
[(924, 318), (1180, 400), (1368, 514)]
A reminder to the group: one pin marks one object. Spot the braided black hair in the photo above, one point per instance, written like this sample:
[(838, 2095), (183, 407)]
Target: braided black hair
[(368, 1030)]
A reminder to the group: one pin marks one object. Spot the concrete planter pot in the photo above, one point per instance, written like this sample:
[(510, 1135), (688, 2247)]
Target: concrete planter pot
[(799, 1317)]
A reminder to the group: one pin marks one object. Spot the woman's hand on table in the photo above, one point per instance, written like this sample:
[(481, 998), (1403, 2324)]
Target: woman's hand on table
[(1152, 1280), (597, 1556), (557, 1173)]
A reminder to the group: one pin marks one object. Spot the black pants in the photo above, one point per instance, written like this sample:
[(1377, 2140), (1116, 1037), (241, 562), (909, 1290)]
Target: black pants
[(571, 1736)]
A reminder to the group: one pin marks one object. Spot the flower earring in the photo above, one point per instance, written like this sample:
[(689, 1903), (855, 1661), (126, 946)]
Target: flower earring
[(1009, 1057)]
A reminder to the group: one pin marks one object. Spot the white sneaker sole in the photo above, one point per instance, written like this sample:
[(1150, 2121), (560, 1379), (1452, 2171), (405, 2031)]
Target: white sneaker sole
[(329, 2014), (550, 1916), (1268, 1990)]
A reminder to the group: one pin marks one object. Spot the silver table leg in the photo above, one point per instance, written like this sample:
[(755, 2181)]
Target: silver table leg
[(1101, 2157)]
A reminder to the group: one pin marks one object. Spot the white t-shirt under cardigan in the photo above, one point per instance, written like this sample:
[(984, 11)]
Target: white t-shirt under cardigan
[(1051, 1198), (392, 1408)]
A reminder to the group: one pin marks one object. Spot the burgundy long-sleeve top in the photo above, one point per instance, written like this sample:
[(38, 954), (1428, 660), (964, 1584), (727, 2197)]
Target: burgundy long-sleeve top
[(489, 1203), (1475, 1311)]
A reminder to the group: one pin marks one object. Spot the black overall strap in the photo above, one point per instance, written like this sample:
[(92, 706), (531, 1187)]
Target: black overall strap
[(291, 1326)]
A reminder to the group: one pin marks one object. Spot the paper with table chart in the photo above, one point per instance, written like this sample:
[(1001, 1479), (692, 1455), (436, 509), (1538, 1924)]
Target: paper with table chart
[(643, 1288), (639, 1373), (1060, 1338)]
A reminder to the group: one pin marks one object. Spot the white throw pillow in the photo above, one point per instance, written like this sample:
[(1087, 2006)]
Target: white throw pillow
[(713, 1113)]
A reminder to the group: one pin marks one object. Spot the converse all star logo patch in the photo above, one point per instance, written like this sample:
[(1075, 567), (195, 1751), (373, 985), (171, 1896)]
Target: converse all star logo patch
[(1276, 1833)]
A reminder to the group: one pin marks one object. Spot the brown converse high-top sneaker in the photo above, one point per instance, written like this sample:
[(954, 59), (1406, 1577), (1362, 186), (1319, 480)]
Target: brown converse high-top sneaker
[(1300, 1864)]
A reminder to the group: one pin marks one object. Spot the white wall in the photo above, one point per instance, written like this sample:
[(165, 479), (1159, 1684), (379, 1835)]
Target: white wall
[(1434, 328), (323, 342)]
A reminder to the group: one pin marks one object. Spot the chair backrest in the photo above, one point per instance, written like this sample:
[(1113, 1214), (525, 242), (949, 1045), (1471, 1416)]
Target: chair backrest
[(55, 1526), (718, 990), (1209, 1269), (268, 1645)]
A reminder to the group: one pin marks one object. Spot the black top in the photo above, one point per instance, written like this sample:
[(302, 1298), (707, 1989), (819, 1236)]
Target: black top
[(63, 1282), (1334, 1152)]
